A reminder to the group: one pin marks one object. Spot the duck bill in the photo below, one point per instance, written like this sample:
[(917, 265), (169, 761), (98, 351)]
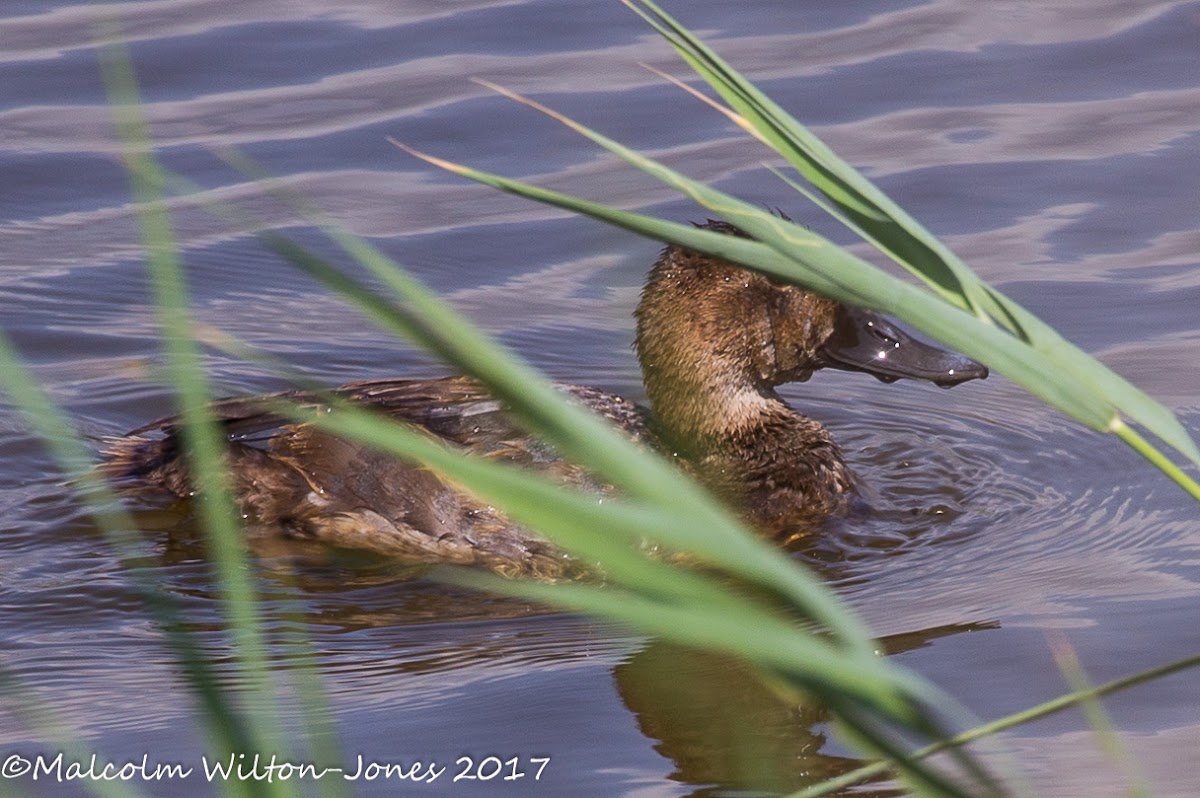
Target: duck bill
[(865, 341)]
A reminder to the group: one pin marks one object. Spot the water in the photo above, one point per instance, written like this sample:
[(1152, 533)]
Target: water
[(1055, 146)]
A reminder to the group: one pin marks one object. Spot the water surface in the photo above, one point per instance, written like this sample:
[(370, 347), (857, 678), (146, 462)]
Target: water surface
[(1055, 146)]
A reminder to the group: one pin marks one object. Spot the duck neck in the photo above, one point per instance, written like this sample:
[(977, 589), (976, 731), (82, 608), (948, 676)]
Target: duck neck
[(705, 406), (781, 469)]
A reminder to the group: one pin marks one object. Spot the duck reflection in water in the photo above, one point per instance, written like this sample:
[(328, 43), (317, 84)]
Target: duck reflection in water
[(729, 729)]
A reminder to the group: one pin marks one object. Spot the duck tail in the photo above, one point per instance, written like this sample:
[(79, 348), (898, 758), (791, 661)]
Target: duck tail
[(132, 459)]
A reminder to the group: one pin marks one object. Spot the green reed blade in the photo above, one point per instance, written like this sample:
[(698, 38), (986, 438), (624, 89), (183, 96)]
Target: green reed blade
[(860, 199), (407, 322), (1051, 369), (783, 650), (814, 262), (882, 222), (683, 534), (226, 729), (921, 779), (575, 431), (202, 440), (568, 518), (1052, 707), (713, 632), (44, 418), (1096, 715), (571, 520), (687, 538)]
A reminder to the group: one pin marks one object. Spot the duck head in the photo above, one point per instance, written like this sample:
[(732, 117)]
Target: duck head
[(862, 340), (714, 339)]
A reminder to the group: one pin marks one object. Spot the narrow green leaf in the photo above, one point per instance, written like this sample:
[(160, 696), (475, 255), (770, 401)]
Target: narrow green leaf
[(1051, 369), (714, 533), (226, 728), (823, 267), (202, 440), (884, 223), (1052, 707), (777, 648), (1097, 716), (569, 518)]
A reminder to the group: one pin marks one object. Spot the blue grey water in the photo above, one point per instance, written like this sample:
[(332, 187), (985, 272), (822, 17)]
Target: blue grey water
[(1054, 145)]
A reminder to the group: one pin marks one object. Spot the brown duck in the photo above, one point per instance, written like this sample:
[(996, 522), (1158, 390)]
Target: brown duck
[(713, 339)]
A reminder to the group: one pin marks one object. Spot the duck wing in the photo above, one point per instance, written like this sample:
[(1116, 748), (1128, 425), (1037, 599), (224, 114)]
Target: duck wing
[(296, 478)]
